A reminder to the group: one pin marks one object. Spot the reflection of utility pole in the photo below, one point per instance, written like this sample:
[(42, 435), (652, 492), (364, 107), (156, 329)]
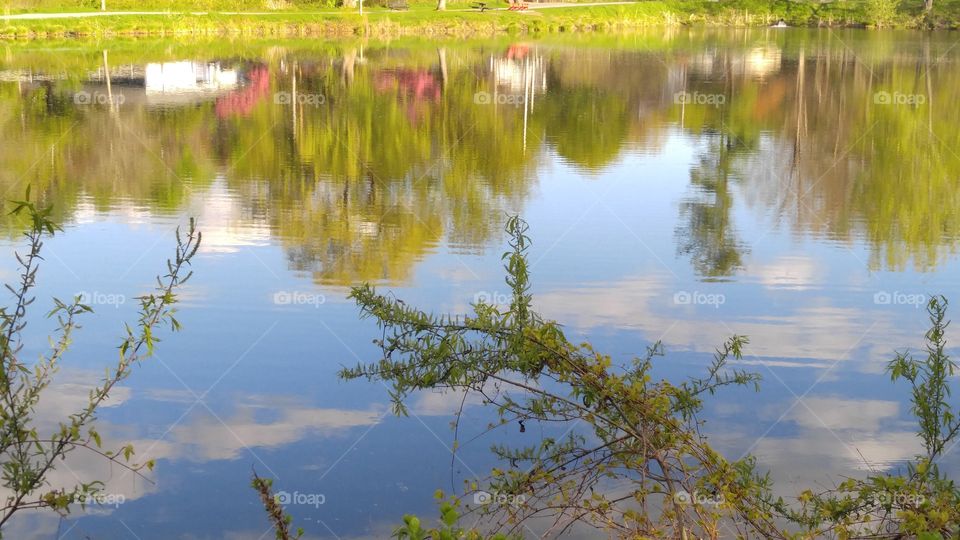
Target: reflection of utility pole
[(293, 98), (926, 70), (801, 110), (683, 102), (106, 75), (801, 127), (442, 54), (527, 91)]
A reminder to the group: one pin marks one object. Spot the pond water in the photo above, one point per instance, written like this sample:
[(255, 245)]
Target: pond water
[(801, 187)]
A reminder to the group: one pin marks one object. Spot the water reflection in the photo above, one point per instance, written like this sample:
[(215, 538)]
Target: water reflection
[(708, 235), (759, 167), (408, 146)]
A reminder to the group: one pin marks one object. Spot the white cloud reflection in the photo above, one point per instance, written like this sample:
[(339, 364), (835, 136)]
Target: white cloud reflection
[(812, 329), (262, 421)]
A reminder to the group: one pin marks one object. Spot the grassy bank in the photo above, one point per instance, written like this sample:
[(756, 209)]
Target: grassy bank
[(422, 20)]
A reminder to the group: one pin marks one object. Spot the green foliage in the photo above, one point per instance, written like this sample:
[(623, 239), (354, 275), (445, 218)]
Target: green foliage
[(635, 427), (923, 503), (27, 456), (447, 528), (640, 468), (339, 17), (271, 504), (164, 5), (882, 13), (929, 379)]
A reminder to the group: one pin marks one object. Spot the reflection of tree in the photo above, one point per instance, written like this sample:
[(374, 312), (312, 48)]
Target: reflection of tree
[(68, 152), (912, 197), (588, 126), (829, 160), (399, 156), (394, 159), (707, 234), (883, 172)]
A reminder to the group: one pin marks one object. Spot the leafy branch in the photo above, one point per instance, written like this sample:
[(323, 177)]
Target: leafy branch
[(27, 456)]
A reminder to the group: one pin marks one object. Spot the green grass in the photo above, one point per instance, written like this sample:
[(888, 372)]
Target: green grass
[(59, 6), (312, 18)]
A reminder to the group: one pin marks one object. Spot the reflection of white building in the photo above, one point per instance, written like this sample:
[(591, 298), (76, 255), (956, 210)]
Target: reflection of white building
[(519, 75), (164, 84), (188, 78)]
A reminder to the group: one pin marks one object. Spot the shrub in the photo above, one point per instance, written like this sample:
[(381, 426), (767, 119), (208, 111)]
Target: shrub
[(27, 453)]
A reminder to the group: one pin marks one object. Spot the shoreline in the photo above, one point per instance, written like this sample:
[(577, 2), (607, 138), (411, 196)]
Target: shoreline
[(458, 21)]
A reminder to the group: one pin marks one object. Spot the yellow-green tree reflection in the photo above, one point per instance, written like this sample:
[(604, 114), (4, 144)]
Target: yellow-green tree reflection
[(380, 153)]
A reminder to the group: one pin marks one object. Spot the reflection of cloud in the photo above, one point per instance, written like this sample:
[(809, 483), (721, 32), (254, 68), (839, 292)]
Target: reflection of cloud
[(206, 438), (448, 402), (784, 363), (795, 273), (622, 304), (263, 421), (835, 454), (85, 211), (281, 421), (856, 422), (443, 403), (225, 229), (818, 459), (169, 395), (33, 524), (838, 439), (815, 330), (57, 403), (61, 399), (457, 274), (836, 413)]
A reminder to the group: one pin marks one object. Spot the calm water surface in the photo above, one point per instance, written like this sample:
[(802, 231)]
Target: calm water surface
[(800, 187)]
